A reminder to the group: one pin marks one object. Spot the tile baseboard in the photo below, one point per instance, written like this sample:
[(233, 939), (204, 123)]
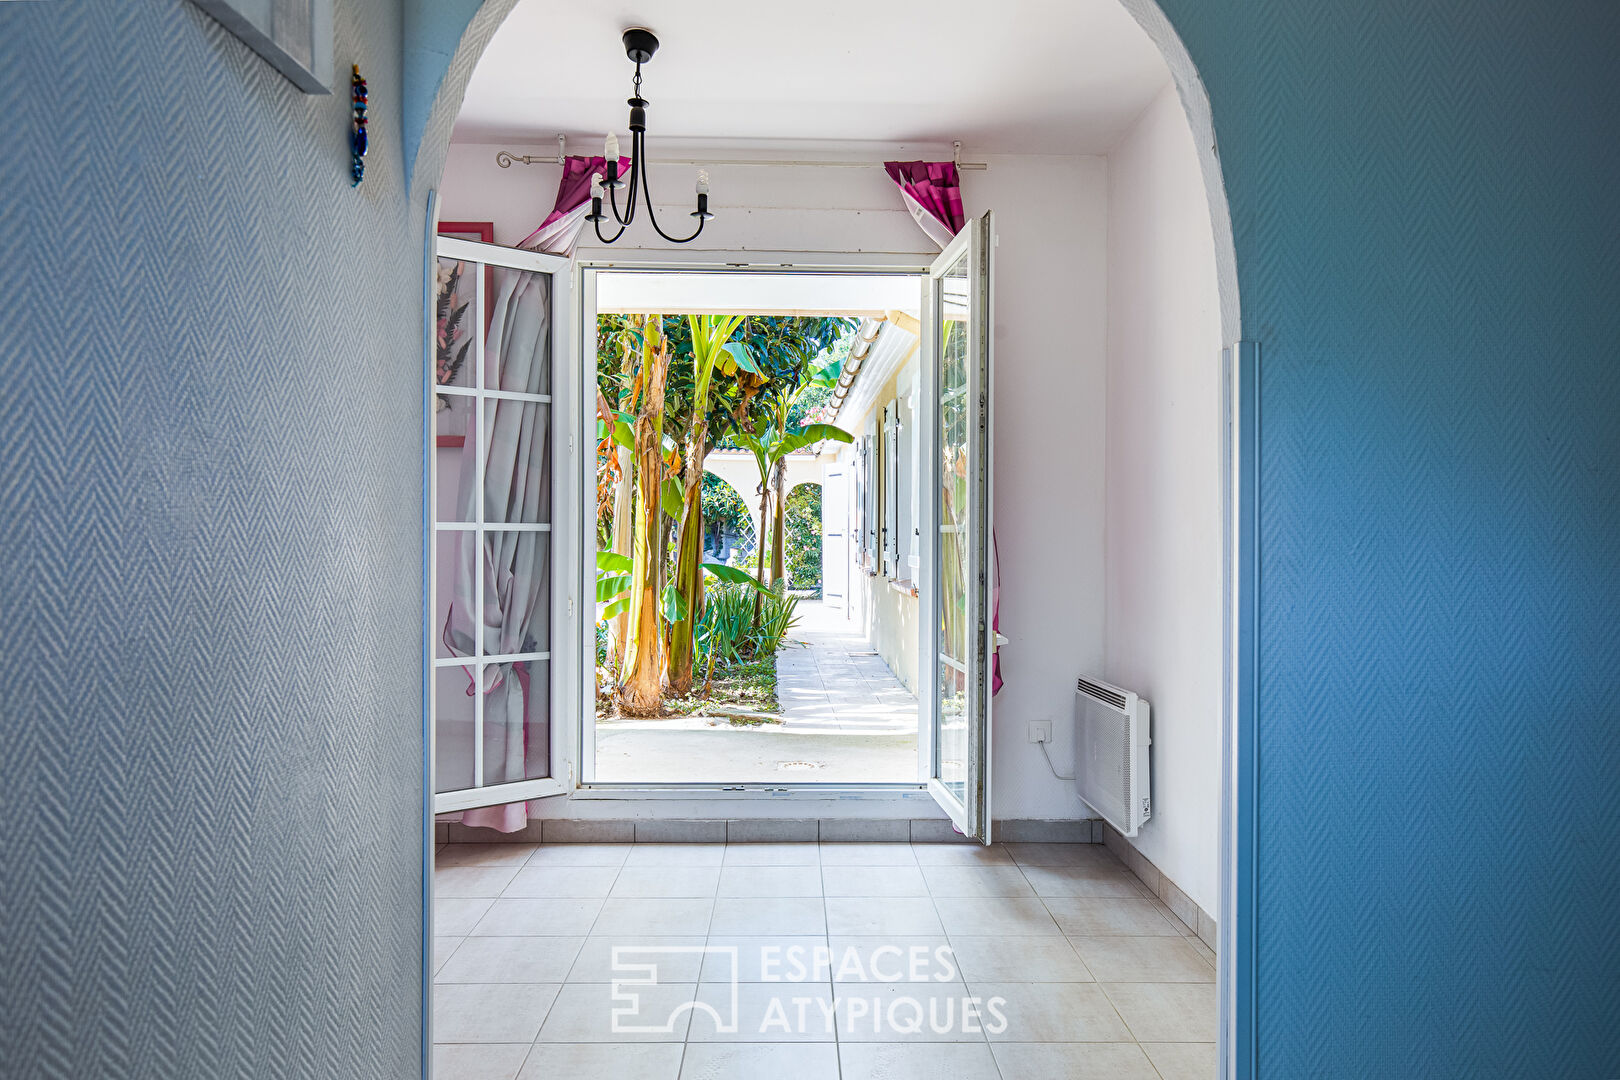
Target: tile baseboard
[(767, 830), (1195, 921)]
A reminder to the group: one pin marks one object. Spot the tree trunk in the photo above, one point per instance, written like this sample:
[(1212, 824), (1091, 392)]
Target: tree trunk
[(778, 524), (764, 519), (689, 568), (623, 539), (641, 675)]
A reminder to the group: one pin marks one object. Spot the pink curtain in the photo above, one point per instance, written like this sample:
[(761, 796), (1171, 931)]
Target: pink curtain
[(995, 614), (932, 191), (559, 233)]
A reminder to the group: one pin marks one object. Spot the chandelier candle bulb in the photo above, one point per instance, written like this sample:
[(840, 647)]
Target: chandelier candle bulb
[(703, 182), (596, 198), (610, 155)]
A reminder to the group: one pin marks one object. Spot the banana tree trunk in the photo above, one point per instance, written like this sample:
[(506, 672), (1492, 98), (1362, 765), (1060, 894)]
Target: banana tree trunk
[(778, 524), (689, 569), (759, 572), (640, 685), (623, 541)]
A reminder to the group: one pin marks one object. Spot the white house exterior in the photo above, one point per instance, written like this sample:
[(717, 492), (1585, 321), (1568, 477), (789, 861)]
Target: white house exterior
[(870, 541)]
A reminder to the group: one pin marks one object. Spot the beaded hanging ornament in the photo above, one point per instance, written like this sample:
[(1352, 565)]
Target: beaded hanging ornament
[(357, 133)]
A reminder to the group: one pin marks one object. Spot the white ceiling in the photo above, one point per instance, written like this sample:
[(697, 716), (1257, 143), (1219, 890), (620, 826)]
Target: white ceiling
[(1009, 76)]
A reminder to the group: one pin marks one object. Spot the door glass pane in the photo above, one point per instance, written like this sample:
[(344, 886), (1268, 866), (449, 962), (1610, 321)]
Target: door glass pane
[(535, 676), (517, 722), (452, 729), (452, 421), (517, 354), (517, 471), (517, 592), (957, 425), (455, 314), (453, 596), (455, 458)]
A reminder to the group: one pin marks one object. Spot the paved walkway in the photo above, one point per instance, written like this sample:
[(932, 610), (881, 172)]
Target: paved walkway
[(848, 720), (834, 681)]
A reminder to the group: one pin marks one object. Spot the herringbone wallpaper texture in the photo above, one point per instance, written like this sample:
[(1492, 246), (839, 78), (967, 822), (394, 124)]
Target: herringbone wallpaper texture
[(209, 556), (1426, 205)]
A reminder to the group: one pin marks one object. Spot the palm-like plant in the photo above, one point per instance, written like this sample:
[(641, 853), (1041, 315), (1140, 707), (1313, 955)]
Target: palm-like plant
[(770, 448), (712, 349)]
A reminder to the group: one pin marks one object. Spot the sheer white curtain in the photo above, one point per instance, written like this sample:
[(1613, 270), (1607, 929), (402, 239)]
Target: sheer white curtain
[(515, 576)]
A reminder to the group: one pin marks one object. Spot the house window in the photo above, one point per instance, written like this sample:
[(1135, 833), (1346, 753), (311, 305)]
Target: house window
[(871, 526)]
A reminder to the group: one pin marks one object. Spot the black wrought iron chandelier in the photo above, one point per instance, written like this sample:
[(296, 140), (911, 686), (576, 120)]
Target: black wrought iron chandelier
[(639, 45)]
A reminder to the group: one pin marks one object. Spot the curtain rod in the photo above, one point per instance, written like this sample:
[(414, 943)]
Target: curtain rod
[(505, 159)]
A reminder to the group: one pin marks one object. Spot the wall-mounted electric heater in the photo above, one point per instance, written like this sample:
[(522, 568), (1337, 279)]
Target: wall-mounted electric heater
[(1112, 736)]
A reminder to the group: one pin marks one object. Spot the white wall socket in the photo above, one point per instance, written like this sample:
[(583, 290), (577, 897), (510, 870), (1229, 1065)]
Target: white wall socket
[(1040, 731)]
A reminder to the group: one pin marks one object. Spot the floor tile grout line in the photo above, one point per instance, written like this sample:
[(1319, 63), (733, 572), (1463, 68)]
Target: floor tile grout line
[(618, 871)]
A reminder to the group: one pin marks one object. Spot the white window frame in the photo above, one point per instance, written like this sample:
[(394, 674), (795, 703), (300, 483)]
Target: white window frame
[(863, 503)]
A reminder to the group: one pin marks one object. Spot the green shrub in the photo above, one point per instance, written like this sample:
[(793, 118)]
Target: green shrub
[(726, 628)]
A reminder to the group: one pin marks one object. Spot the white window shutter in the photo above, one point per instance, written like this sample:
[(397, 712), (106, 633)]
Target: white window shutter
[(891, 490)]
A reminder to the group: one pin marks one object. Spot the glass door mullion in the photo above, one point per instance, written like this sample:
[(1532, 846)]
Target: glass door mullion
[(481, 568), (484, 530), (499, 658)]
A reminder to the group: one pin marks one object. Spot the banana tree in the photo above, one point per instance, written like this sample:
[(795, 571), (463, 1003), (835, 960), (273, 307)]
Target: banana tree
[(712, 349), (770, 449), (642, 669), (781, 407), (613, 592)]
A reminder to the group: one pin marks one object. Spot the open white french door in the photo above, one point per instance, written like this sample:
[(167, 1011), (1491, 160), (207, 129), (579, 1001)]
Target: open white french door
[(958, 636), (503, 579)]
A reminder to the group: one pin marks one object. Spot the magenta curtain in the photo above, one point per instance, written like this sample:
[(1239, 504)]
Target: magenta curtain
[(559, 233), (995, 615), (932, 191)]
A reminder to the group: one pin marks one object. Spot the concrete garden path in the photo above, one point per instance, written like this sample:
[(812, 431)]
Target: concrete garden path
[(847, 720), (835, 682)]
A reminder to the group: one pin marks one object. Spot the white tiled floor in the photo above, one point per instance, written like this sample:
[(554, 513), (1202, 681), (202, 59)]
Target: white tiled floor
[(1095, 979)]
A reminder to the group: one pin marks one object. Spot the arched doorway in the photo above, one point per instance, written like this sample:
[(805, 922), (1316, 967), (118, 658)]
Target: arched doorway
[(729, 529), (1194, 107), (804, 539)]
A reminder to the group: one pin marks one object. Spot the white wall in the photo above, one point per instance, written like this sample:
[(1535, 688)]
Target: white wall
[(1163, 495), (1050, 360), (1050, 342)]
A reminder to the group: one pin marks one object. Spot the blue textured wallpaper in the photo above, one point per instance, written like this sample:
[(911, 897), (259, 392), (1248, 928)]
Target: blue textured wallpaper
[(210, 409), (1426, 204)]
